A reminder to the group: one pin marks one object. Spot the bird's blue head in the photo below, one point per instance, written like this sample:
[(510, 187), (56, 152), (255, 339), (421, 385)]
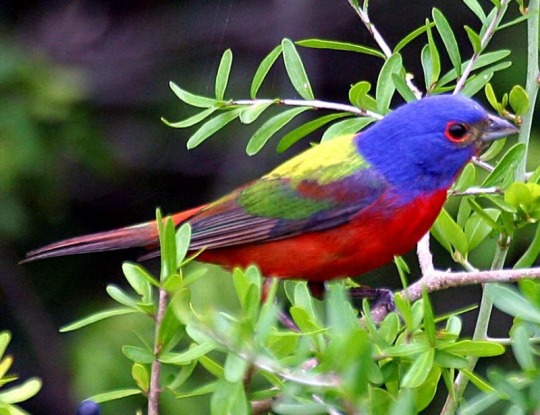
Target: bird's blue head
[(423, 145)]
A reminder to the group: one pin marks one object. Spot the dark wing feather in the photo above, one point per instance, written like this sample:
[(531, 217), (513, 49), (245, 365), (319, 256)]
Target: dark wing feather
[(275, 208)]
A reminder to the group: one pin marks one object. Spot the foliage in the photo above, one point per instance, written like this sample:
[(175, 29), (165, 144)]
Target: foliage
[(15, 394), (328, 362)]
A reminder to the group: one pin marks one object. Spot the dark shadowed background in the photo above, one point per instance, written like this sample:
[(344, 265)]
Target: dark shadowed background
[(83, 85)]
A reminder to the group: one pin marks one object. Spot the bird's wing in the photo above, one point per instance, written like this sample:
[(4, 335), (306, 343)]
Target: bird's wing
[(316, 190)]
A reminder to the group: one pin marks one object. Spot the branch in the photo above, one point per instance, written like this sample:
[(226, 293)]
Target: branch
[(436, 280), (154, 388), (364, 16), (372, 29), (473, 191), (490, 31), (315, 103)]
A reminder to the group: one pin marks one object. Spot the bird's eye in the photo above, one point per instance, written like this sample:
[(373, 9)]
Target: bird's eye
[(456, 131)]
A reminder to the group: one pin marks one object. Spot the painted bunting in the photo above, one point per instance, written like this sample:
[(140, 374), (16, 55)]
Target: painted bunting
[(341, 208)]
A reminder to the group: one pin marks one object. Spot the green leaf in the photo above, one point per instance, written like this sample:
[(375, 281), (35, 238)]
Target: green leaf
[(477, 228), (525, 198), (304, 320), (466, 179), (476, 9), (483, 60), (448, 37), (519, 100), (183, 239), (450, 360), (170, 330), (22, 392), (182, 376), (136, 277), (426, 392), (234, 368), (270, 127), (138, 354), (229, 398), (205, 389), (532, 252), (434, 59), (194, 119), (390, 327), (167, 246), (522, 348), (212, 126), (140, 375), (102, 315), (295, 70), (480, 383), (530, 288), (494, 149), (5, 338), (505, 165), (135, 274), (341, 316), (298, 133), (251, 113), (474, 348), (411, 36), (385, 86), (214, 368), (404, 309), (184, 358), (476, 82), (429, 319), (491, 97), (5, 365), (222, 77), (474, 38), (338, 45), (515, 21), (359, 96), (112, 395), (402, 88), (192, 99), (263, 70), (118, 295), (510, 301), (408, 349), (419, 370), (449, 234)]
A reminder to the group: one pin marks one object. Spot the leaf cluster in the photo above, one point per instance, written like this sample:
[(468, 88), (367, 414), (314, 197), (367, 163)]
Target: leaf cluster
[(10, 397)]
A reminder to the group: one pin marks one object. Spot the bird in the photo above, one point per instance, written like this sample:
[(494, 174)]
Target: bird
[(340, 209)]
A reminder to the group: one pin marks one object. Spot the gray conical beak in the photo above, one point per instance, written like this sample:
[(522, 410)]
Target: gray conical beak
[(497, 128)]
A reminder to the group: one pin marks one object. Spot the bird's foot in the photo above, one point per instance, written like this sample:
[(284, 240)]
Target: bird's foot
[(381, 297)]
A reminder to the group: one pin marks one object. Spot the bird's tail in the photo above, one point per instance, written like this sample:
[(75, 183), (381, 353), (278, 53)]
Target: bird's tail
[(141, 235)]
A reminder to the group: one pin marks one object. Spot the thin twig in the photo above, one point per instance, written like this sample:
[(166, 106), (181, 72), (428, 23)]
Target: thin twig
[(154, 388), (364, 16), (490, 31), (482, 164), (315, 103), (473, 191)]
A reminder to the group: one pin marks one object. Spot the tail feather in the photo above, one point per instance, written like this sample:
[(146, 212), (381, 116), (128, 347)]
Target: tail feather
[(142, 235)]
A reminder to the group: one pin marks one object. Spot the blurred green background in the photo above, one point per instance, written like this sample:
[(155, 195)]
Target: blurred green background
[(83, 85)]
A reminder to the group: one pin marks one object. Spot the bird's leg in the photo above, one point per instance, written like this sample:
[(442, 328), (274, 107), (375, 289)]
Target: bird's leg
[(381, 297)]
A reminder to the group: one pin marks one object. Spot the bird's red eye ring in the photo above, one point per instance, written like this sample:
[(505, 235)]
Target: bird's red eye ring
[(456, 131)]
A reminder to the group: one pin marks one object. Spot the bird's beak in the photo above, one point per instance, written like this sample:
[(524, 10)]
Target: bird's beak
[(497, 128)]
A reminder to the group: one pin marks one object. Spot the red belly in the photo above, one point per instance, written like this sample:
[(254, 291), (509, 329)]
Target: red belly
[(370, 240)]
